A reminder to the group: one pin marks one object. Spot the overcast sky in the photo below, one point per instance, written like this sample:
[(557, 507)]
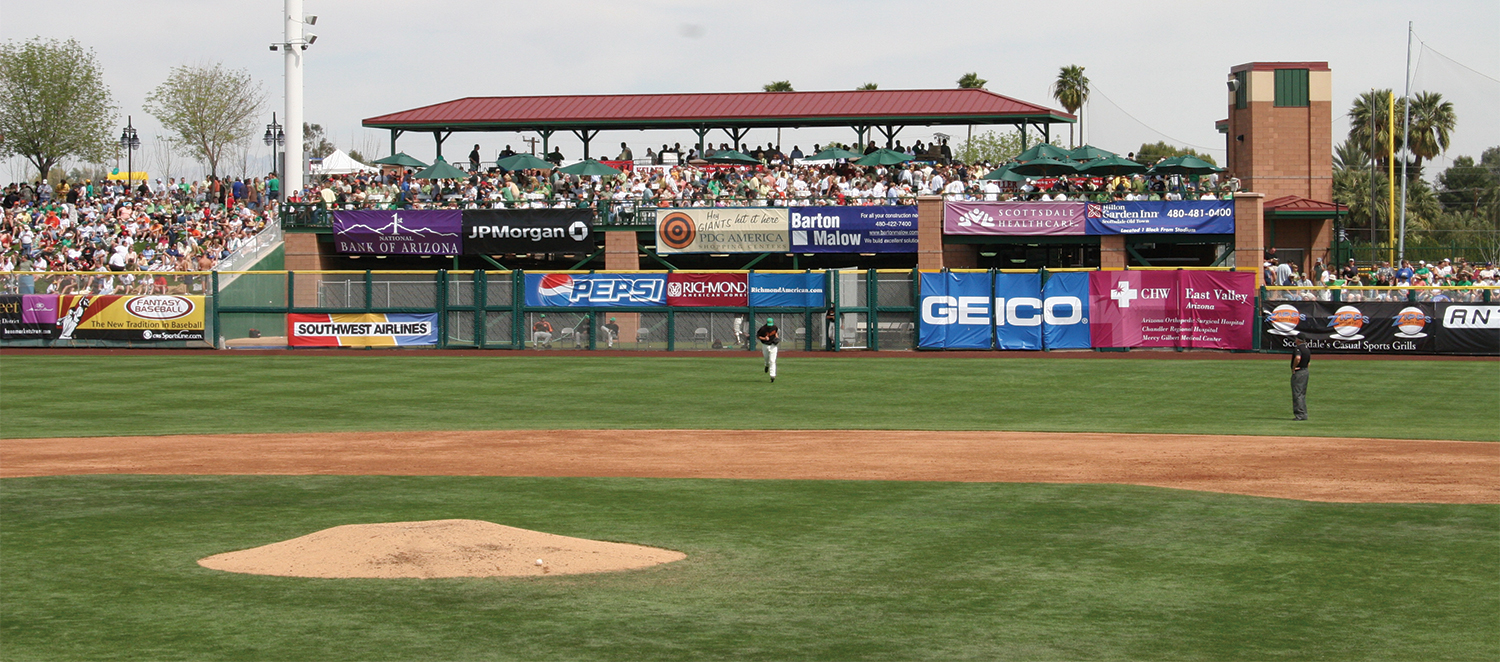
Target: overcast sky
[(1158, 68)]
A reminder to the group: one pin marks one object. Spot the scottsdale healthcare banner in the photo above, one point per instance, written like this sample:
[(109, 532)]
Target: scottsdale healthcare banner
[(398, 231), (361, 329), (151, 318), (721, 230), (712, 289), (1189, 309), (495, 231), (1162, 217), (802, 289), (1014, 218), (878, 229), (596, 290), (28, 316)]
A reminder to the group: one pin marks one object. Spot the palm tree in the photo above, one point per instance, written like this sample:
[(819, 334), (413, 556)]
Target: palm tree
[(1432, 121), (868, 86), (971, 80), (778, 86), (1071, 89), (1351, 155), (1368, 123)]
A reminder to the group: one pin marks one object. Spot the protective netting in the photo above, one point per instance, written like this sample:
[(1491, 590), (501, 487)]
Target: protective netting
[(893, 290), (461, 288), (697, 331), (497, 329), (568, 330), (1475, 95), (460, 328), (897, 331)]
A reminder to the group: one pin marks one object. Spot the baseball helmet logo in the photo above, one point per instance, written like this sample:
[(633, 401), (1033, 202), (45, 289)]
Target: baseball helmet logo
[(677, 230)]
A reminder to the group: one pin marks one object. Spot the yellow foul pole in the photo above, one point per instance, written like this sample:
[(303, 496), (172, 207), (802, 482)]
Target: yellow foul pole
[(1390, 162)]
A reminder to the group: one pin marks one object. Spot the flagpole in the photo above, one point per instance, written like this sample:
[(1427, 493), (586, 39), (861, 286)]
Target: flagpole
[(1390, 163), (1406, 142)]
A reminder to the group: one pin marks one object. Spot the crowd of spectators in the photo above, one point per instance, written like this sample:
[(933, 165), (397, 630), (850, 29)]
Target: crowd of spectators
[(102, 235), (1423, 281)]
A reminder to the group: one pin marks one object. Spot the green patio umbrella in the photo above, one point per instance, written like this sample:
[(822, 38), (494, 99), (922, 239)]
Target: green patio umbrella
[(1089, 153), (1004, 174), (589, 168), (882, 157), (522, 162), (833, 153), (402, 160), (1042, 151), (1045, 168), (731, 156), (1111, 165), (441, 170), (1185, 165)]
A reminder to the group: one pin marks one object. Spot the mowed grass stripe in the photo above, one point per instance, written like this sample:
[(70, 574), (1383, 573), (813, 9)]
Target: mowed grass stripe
[(45, 396), (105, 567)]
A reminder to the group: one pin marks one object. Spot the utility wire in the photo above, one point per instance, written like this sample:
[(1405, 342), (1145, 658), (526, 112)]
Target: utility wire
[(1095, 88)]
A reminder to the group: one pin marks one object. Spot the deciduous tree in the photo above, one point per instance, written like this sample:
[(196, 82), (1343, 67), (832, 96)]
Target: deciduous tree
[(208, 110), (54, 103)]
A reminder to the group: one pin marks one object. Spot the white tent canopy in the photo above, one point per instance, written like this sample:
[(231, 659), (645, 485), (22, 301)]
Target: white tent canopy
[(339, 163)]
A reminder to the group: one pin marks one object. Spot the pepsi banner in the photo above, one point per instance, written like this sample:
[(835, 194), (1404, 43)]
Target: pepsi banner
[(1374, 327), (361, 329), (1162, 217), (711, 289), (596, 290), (878, 229), (1188, 309), (1468, 328), (495, 231), (1065, 311), (398, 231), (954, 311), (787, 290)]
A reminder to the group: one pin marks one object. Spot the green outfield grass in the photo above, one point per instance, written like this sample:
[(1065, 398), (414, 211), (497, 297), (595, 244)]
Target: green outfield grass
[(223, 392), (105, 568)]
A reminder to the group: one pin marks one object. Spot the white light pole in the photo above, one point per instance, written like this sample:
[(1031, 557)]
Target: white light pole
[(295, 41)]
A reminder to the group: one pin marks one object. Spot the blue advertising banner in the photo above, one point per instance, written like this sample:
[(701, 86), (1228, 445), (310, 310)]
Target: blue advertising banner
[(596, 290), (853, 229), (1065, 311), (1018, 311), (1161, 217), (955, 311), (794, 290)]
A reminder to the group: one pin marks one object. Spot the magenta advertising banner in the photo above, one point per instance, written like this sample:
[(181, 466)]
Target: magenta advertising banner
[(1189, 309), (1015, 218)]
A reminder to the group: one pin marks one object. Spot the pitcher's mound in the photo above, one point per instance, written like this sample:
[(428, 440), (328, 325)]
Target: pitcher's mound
[(439, 548)]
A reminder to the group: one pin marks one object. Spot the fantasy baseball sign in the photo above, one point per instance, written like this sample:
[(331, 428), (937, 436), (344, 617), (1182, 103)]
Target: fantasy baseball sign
[(139, 318), (1382, 327)]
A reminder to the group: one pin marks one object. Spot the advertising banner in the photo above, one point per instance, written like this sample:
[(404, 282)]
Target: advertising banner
[(1065, 311), (28, 316), (596, 290), (954, 311), (1468, 328), (721, 230), (690, 289), (495, 231), (1014, 218), (151, 318), (783, 290), (1198, 309), (1018, 311), (361, 329), (853, 229), (398, 231), (1357, 327), (1162, 217)]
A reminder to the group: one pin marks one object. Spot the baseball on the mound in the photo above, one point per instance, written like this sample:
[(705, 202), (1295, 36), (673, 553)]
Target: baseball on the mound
[(540, 562)]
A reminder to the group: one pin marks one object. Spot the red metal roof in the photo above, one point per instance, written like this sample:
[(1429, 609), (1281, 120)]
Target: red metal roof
[(784, 109), (1297, 203)]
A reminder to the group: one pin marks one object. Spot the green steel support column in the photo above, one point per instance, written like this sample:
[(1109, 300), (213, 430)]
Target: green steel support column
[(1044, 276), (831, 286), (291, 302), (442, 308), (546, 138), (214, 303), (756, 261), (671, 330), (517, 301), (702, 136), (492, 261), (994, 328), (872, 318), (593, 324), (750, 332), (369, 290), (481, 318), (1255, 329)]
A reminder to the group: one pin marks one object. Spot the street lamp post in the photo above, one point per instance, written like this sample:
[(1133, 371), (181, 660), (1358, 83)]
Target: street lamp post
[(130, 142), (275, 138)]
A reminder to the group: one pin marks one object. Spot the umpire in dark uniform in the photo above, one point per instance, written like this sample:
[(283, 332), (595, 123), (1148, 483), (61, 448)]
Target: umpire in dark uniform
[(1301, 357)]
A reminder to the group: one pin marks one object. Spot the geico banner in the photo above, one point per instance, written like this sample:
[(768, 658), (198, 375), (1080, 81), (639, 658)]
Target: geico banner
[(721, 230), (150, 318), (596, 290), (1468, 328), (1374, 327), (1188, 309), (1066, 311), (398, 231), (954, 311), (1014, 218), (493, 231), (361, 329), (1162, 217), (960, 311), (1018, 311), (787, 290), (690, 289), (878, 229), (28, 316)]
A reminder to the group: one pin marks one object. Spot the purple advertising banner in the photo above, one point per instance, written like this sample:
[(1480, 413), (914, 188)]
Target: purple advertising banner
[(1015, 218), (399, 231), (1191, 309), (28, 316)]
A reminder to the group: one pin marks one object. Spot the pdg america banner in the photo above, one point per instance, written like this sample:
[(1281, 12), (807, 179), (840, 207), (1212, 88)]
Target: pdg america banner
[(1162, 217), (1014, 218), (721, 230), (714, 289), (28, 316), (853, 229), (1203, 309), (955, 311), (398, 231), (596, 290), (361, 329), (491, 231), (787, 290)]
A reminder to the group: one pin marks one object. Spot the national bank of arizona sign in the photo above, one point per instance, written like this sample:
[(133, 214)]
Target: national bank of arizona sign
[(1020, 218)]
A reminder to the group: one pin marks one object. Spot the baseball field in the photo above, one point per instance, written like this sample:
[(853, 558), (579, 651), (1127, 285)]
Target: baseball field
[(897, 508)]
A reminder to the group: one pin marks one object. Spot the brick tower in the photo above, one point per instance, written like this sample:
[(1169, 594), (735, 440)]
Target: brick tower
[(1280, 129)]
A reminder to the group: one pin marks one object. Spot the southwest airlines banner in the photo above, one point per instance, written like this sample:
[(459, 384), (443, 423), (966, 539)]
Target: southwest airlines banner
[(853, 229), (150, 318), (1066, 311), (1190, 309), (1161, 217), (1014, 218), (361, 329), (713, 289), (28, 316), (398, 231), (596, 290), (721, 230), (954, 311), (782, 290), (1018, 311)]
